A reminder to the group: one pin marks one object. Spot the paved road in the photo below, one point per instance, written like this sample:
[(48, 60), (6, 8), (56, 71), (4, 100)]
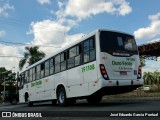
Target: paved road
[(82, 108)]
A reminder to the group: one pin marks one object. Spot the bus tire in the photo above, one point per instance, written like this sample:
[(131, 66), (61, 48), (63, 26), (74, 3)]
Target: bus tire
[(94, 100), (61, 97), (28, 100)]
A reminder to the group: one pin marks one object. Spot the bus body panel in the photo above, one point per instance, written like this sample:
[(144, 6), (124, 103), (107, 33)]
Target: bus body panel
[(48, 87), (75, 76), (90, 72), (78, 90), (61, 79), (75, 82)]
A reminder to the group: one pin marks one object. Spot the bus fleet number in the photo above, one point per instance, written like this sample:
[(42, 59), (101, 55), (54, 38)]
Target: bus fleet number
[(88, 68)]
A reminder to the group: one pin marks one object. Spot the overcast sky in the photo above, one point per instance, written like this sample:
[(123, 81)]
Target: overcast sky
[(53, 24)]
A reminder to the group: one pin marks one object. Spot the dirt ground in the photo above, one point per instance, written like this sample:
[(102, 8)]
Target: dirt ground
[(137, 93)]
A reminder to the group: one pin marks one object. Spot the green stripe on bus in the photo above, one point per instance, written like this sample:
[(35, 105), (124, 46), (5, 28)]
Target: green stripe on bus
[(39, 82)]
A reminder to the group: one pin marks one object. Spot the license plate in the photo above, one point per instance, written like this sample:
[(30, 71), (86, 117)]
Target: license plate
[(123, 73)]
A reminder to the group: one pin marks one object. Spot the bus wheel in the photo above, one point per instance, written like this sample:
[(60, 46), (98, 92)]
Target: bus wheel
[(27, 99), (61, 97), (94, 100)]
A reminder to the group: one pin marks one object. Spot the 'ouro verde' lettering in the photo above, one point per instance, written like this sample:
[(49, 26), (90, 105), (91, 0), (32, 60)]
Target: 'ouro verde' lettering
[(36, 83)]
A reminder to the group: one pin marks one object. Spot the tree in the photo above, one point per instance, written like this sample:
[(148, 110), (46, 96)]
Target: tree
[(151, 77), (148, 78), (142, 61), (156, 75), (31, 56), (7, 75)]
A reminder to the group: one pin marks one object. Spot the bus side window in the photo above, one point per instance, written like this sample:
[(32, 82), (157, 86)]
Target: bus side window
[(72, 52), (92, 52), (89, 53), (38, 72), (47, 68), (63, 61), (21, 80), (34, 73), (51, 63), (20, 83), (78, 58), (42, 70), (86, 51), (57, 64), (71, 56), (30, 75), (24, 79), (26, 76)]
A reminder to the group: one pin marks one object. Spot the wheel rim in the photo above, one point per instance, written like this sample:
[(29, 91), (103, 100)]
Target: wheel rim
[(28, 100), (61, 97)]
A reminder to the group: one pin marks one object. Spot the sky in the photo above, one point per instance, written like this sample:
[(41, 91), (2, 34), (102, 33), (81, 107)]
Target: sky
[(53, 24)]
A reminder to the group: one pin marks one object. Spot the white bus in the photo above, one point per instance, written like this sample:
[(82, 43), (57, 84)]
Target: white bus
[(103, 62)]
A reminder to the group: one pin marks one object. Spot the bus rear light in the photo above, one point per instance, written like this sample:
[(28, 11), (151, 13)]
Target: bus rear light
[(104, 72), (102, 67), (139, 75)]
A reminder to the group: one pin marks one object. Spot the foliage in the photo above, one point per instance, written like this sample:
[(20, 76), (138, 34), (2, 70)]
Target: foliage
[(31, 56), (7, 75), (151, 78), (142, 61), (9, 78), (154, 90)]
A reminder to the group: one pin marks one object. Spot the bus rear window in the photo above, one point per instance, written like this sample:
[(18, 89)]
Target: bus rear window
[(114, 41)]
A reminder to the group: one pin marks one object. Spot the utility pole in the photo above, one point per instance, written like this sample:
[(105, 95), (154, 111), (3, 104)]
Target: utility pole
[(4, 90)]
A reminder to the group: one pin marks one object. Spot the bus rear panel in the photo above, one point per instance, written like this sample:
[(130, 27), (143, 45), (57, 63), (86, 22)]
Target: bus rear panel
[(119, 65)]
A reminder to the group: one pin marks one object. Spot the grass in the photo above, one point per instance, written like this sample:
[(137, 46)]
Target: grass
[(153, 90)]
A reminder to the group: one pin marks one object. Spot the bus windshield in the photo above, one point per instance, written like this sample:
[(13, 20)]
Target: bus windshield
[(117, 42)]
